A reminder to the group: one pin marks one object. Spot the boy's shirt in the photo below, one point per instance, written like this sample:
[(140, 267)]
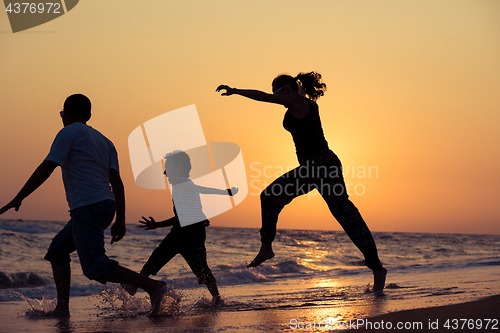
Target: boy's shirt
[(177, 224), (85, 157), (187, 204)]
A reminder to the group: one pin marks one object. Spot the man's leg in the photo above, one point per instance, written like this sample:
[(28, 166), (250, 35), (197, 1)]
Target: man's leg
[(127, 276), (88, 234), (155, 289), (58, 255), (62, 278)]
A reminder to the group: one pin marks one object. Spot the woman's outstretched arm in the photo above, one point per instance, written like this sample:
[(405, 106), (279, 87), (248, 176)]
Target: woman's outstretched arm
[(291, 101)]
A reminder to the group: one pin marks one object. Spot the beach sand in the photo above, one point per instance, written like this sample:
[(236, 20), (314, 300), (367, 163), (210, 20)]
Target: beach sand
[(463, 317), (86, 316)]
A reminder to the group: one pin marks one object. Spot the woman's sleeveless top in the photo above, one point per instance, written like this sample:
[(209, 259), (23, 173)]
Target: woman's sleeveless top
[(307, 132)]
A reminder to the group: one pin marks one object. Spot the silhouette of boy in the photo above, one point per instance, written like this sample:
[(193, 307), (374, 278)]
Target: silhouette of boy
[(187, 236), (89, 164)]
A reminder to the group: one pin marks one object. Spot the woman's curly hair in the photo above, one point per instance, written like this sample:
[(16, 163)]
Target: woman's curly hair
[(310, 82)]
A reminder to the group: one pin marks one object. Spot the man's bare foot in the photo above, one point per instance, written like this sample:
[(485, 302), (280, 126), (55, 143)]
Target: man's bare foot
[(157, 297), (131, 289), (265, 253), (379, 280), (58, 313)]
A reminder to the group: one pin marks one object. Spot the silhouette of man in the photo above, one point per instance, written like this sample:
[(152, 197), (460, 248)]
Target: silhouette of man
[(89, 164)]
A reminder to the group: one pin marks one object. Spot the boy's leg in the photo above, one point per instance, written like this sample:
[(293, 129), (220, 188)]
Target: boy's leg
[(160, 256), (204, 274), (197, 261), (195, 254), (168, 248)]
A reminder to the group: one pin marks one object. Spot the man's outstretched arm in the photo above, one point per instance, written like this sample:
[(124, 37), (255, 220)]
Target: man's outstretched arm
[(39, 176)]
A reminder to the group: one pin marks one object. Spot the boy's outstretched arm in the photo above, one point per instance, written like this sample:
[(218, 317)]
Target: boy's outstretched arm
[(39, 176), (191, 187), (119, 228), (152, 224)]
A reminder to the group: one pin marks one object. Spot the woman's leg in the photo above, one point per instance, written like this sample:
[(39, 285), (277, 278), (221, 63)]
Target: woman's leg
[(355, 227), (334, 193), (273, 199)]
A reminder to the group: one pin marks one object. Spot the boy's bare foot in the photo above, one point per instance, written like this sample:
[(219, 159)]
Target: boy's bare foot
[(379, 280), (157, 297), (265, 253), (217, 300), (131, 289)]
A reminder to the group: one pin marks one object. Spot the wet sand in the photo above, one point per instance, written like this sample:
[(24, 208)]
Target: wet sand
[(87, 317), (479, 315)]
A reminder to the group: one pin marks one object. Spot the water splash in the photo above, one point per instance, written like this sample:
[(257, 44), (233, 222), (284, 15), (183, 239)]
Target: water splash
[(117, 302), (38, 307), (205, 303)]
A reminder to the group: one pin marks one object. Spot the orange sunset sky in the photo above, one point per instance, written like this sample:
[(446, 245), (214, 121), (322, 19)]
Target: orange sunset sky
[(413, 96)]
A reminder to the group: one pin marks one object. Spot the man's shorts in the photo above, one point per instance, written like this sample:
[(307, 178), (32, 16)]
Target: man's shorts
[(85, 234)]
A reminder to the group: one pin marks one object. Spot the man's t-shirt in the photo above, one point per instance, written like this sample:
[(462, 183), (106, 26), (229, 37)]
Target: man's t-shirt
[(85, 157)]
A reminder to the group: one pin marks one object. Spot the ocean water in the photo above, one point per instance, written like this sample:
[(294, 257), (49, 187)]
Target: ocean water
[(319, 272)]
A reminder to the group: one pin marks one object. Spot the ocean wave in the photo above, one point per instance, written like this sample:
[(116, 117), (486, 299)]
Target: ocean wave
[(291, 266), (48, 292), (493, 261), (241, 275), (31, 227), (21, 280)]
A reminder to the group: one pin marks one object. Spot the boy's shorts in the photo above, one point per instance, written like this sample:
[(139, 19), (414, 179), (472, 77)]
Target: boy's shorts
[(85, 233), (187, 241)]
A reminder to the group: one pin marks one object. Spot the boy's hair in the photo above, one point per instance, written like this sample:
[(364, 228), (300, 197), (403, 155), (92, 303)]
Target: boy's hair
[(78, 106), (180, 158)]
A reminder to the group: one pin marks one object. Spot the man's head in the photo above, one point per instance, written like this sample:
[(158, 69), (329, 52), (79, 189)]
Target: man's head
[(78, 107)]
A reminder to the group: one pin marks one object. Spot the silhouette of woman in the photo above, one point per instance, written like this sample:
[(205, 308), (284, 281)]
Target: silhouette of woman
[(319, 168)]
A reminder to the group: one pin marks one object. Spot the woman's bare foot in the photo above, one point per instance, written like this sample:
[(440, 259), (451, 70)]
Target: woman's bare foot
[(379, 280), (265, 253)]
